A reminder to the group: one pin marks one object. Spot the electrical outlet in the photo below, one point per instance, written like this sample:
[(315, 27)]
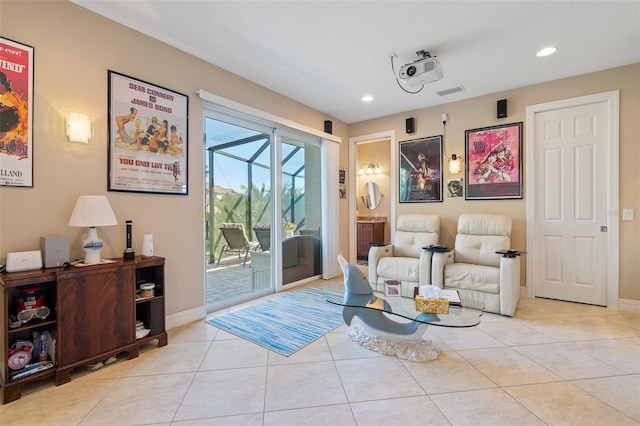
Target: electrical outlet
[(627, 214)]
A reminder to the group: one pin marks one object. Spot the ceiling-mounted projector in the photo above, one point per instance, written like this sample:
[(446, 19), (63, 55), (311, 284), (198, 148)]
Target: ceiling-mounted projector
[(425, 70)]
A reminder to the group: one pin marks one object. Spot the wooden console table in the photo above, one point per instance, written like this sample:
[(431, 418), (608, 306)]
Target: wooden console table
[(92, 316)]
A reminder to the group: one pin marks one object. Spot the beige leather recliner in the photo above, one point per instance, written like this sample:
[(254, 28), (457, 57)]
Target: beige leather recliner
[(475, 269), (405, 259)]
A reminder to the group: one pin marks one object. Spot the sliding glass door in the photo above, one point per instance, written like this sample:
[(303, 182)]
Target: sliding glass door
[(251, 250), (301, 210), (237, 207)]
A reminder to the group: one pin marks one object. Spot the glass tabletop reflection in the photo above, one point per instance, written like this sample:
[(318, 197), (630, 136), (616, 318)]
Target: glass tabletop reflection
[(467, 315)]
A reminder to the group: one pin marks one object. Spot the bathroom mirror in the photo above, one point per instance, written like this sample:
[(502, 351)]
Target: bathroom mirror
[(371, 195)]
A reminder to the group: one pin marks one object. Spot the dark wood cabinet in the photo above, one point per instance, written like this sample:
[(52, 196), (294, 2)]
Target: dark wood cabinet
[(368, 232), (96, 316), (93, 312), (150, 310)]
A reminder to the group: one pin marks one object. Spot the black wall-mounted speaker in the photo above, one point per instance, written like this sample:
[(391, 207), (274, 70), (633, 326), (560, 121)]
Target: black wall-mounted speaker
[(328, 126), (411, 125), (501, 108)]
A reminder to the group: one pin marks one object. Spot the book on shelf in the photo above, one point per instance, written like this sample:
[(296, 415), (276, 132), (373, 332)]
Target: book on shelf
[(453, 296), (30, 369)]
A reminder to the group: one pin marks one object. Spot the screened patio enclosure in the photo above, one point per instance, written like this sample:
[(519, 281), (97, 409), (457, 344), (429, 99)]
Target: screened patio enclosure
[(246, 160), (239, 183)]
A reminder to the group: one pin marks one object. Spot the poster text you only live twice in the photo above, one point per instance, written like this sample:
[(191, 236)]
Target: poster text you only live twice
[(139, 162)]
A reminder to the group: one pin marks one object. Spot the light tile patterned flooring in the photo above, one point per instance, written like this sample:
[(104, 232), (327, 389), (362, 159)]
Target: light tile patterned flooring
[(555, 363)]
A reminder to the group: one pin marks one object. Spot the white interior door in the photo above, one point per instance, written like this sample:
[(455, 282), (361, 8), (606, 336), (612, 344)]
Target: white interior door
[(570, 240)]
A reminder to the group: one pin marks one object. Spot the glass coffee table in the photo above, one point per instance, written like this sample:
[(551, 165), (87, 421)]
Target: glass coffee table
[(393, 326)]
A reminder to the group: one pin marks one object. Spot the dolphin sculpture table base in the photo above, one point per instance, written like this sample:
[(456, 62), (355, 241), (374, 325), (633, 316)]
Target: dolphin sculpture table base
[(376, 330)]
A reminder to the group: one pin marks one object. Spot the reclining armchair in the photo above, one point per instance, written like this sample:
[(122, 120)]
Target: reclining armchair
[(405, 259), (475, 269)]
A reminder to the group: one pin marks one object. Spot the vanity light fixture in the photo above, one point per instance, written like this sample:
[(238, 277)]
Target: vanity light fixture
[(369, 169), (78, 127), (454, 164)]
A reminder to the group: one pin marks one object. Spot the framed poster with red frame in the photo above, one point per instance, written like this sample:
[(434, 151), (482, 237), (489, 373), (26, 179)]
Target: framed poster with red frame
[(16, 114), (148, 144), (494, 162)]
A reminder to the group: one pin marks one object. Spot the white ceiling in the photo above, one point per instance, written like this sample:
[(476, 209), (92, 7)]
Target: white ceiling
[(328, 54)]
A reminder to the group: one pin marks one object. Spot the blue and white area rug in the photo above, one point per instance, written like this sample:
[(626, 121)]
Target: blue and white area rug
[(284, 323)]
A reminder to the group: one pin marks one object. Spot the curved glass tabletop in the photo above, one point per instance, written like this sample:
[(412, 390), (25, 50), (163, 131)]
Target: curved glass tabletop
[(466, 316)]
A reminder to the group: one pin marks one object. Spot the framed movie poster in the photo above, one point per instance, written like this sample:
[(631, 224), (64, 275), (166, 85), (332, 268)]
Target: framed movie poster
[(421, 170), (494, 162), (16, 114), (148, 144)]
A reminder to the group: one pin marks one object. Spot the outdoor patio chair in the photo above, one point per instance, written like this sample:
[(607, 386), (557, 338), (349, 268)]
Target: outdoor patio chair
[(236, 241), (263, 235)]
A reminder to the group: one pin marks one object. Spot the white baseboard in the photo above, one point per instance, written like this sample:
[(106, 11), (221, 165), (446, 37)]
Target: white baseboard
[(629, 305), (185, 317)]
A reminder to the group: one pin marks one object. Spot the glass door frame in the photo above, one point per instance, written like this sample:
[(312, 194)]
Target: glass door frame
[(277, 132), (282, 132)]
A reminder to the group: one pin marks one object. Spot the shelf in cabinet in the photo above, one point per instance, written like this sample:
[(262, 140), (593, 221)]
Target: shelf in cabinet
[(147, 299), (32, 324), (36, 374)]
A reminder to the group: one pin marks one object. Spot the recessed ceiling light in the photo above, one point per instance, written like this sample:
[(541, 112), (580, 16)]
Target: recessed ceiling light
[(546, 51), (367, 98)]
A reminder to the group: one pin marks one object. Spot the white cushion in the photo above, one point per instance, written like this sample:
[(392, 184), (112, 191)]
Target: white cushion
[(484, 224), (419, 223), (480, 236), (414, 231), (472, 277), (480, 249), (399, 268)]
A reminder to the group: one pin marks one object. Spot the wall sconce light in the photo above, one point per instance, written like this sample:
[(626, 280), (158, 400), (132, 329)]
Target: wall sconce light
[(78, 127), (369, 169), (454, 164)]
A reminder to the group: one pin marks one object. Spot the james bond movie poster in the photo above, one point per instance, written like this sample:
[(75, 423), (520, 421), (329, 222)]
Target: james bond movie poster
[(148, 143), (16, 114), (494, 162)]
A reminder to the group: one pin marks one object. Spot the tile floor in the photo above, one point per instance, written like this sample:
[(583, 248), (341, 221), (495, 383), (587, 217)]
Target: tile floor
[(555, 363)]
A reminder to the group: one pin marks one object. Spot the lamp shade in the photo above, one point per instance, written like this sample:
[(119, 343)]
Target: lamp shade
[(92, 210)]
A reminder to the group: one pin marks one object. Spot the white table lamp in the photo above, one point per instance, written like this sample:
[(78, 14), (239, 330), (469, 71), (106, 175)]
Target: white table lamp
[(91, 211)]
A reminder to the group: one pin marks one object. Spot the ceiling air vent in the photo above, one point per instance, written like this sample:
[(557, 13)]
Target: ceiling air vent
[(451, 91)]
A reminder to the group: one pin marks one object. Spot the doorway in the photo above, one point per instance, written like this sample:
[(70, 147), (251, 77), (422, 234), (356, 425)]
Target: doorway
[(385, 180), (572, 187), (259, 240)]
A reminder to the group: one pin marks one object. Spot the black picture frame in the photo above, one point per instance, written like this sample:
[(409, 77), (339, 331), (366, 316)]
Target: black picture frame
[(16, 114), (420, 165), (493, 170), (148, 137)]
